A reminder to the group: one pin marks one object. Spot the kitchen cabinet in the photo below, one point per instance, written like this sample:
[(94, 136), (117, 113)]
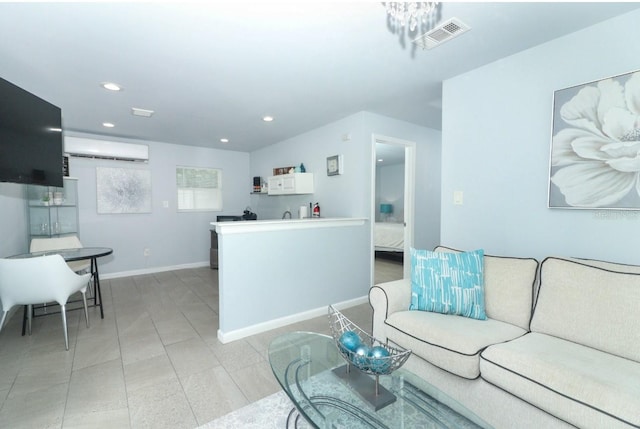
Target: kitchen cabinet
[(53, 211), (291, 184)]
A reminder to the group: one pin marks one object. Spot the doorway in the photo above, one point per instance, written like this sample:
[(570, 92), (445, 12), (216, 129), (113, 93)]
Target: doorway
[(393, 184)]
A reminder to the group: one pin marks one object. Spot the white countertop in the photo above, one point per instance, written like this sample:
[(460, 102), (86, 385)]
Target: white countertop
[(240, 227)]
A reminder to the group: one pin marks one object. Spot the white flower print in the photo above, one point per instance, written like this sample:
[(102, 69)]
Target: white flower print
[(598, 155)]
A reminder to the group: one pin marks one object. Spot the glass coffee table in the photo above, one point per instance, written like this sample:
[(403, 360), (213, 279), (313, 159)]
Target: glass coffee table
[(304, 364)]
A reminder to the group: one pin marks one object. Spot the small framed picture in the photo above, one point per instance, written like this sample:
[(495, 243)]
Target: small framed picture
[(334, 165)]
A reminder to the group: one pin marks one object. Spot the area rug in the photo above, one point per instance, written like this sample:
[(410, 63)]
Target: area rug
[(272, 412), (267, 413)]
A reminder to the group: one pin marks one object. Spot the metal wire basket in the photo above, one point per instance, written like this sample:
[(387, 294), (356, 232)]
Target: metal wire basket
[(374, 365)]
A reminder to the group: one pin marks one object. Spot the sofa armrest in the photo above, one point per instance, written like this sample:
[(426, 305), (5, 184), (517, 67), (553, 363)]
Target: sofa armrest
[(386, 299)]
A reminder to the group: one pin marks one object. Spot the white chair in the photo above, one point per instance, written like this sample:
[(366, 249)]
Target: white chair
[(36, 280), (58, 243)]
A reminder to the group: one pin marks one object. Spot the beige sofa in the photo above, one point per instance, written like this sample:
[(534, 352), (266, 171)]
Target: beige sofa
[(573, 362)]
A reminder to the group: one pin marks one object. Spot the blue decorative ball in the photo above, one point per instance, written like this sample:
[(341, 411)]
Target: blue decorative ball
[(378, 359), (349, 341), (361, 356)]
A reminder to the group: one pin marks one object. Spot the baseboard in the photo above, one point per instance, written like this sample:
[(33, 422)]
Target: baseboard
[(12, 312), (227, 337), (153, 270)]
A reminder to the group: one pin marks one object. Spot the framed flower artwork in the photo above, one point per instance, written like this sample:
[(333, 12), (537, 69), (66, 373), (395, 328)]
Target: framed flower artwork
[(595, 145)]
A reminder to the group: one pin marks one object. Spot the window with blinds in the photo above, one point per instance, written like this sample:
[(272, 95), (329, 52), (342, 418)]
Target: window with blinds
[(199, 189)]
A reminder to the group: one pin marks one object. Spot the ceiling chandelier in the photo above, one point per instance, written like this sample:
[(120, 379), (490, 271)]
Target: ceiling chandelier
[(410, 13)]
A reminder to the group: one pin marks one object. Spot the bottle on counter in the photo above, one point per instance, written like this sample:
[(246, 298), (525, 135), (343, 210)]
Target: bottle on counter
[(316, 210)]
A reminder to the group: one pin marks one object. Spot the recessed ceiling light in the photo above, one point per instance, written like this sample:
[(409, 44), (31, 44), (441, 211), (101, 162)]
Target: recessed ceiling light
[(267, 118), (380, 160), (55, 130), (224, 140), (111, 86), (108, 124)]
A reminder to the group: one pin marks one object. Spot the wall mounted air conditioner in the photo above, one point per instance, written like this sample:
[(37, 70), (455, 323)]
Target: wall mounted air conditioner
[(90, 148)]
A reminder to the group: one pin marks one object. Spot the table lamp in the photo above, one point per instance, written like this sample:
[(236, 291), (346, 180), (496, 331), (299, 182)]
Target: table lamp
[(386, 210)]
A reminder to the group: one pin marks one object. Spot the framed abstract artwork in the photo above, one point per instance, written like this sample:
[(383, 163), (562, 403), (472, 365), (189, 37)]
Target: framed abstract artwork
[(123, 190), (595, 145)]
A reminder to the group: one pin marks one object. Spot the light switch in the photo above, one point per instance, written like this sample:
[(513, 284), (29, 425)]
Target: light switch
[(457, 198), (165, 204)]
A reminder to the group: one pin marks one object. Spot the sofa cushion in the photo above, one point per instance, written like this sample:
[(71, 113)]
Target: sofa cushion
[(452, 343), (508, 287), (581, 385), (589, 305), (448, 283)]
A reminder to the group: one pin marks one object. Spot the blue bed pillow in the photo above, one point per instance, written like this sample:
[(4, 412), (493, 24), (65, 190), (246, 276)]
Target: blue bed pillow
[(449, 283)]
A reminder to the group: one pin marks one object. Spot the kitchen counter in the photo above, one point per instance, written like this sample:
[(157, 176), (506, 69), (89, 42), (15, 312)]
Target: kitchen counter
[(283, 224)]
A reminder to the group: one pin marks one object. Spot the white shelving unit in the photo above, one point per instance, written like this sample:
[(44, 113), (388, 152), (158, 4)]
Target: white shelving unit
[(291, 184)]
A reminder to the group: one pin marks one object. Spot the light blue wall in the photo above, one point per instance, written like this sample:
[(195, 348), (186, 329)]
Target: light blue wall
[(390, 189), (428, 181), (13, 220), (349, 195), (495, 148), (329, 265), (173, 238), (269, 275), (345, 195), (182, 238)]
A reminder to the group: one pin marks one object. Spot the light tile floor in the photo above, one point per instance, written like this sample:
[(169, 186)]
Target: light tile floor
[(154, 361)]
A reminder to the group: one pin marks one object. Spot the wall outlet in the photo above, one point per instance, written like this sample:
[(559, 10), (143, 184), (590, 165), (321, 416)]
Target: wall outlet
[(146, 252)]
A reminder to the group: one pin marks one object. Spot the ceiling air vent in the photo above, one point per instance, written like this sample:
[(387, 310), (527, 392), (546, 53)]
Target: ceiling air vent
[(442, 33)]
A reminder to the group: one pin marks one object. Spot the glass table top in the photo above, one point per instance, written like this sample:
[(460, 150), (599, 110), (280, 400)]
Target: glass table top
[(69, 255), (307, 366)]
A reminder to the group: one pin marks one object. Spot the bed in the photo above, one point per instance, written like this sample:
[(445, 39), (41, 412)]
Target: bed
[(389, 239)]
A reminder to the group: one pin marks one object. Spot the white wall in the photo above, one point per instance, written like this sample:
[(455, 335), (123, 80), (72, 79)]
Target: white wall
[(495, 148), (173, 238)]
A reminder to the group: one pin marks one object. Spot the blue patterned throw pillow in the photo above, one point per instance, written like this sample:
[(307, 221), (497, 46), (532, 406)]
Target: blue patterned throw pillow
[(449, 283)]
